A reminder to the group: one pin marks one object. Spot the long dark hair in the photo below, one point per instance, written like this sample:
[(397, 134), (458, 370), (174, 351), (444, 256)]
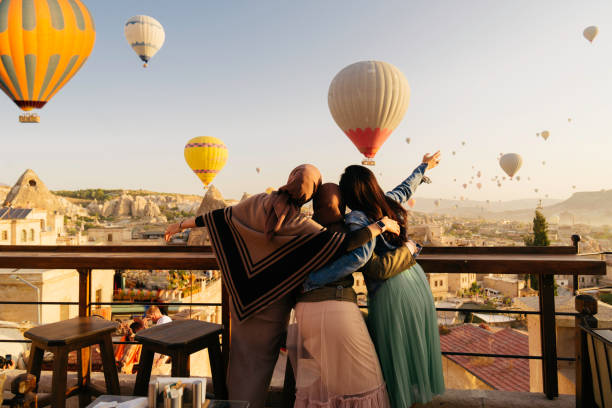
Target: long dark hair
[(361, 191)]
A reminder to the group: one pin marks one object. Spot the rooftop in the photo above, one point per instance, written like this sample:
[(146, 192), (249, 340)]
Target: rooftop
[(8, 213)]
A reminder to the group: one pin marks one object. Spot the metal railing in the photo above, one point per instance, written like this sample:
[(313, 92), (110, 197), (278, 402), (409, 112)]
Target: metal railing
[(543, 261)]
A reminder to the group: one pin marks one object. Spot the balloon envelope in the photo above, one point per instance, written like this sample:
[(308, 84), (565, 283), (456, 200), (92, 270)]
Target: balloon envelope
[(206, 156), (411, 202), (368, 99), (145, 35), (590, 33), (545, 134), (43, 44), (408, 140), (511, 163)]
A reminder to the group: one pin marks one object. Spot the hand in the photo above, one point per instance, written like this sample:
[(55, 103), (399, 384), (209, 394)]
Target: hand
[(432, 160), (171, 230), (391, 225), (411, 246)]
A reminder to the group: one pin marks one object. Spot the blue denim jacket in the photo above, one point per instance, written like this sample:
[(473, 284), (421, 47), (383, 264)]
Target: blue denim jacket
[(352, 261)]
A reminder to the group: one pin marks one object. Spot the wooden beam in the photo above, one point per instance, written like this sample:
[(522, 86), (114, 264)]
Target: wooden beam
[(548, 336)]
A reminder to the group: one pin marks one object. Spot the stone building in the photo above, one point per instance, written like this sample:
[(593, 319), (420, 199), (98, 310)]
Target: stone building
[(460, 282), (439, 285), (25, 226), (109, 235), (508, 287), (55, 285)]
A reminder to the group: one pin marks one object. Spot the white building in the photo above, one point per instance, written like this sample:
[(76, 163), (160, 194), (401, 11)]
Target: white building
[(26, 226)]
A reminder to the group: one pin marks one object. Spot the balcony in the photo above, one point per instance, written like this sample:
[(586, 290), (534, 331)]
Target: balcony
[(544, 262)]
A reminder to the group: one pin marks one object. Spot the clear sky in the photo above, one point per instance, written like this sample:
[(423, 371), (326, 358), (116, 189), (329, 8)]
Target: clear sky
[(256, 74)]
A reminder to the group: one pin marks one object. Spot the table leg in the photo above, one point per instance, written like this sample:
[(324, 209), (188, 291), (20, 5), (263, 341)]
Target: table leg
[(217, 367), (110, 367), (35, 361), (60, 373), (180, 364), (141, 388), (84, 354)]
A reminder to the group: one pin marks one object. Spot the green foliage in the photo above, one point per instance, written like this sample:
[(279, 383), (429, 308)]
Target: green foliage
[(606, 298), (539, 238), (90, 194)]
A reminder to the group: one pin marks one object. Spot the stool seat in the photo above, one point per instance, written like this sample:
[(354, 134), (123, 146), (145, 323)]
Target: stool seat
[(70, 332), (179, 339), (63, 337)]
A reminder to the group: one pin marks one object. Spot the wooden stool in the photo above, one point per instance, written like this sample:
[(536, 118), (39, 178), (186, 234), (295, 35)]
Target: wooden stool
[(63, 337), (179, 339)]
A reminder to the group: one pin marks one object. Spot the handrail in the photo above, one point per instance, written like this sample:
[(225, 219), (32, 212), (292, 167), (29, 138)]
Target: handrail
[(544, 261)]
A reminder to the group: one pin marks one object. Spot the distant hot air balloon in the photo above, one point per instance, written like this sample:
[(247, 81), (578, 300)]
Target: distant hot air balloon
[(465, 185), (511, 163), (590, 33), (569, 119), (488, 201), (470, 181), (454, 179), (528, 178), (145, 35), (408, 140), (479, 173), (543, 162), (504, 178), (462, 143), (437, 203), (545, 134), (518, 178), (456, 206), (537, 134), (536, 190), (454, 152), (270, 190), (368, 99), (479, 185), (573, 187), (411, 202), (206, 156), (258, 170), (545, 195), (499, 184), (43, 44)]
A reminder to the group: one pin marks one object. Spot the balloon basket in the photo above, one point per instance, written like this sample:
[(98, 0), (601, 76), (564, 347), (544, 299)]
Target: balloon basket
[(29, 118), (368, 162)]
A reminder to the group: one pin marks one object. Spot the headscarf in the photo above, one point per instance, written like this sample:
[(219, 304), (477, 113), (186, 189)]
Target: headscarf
[(301, 185), (328, 205)]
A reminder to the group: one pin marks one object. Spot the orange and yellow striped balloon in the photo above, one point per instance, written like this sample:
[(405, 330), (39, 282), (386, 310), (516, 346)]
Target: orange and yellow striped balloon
[(43, 43), (206, 155)]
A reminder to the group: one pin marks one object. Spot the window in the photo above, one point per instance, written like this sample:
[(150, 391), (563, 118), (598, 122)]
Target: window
[(109, 238), (32, 234), (4, 235), (24, 235), (436, 284)]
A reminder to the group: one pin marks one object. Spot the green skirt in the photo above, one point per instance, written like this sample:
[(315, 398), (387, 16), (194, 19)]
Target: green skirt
[(403, 324)]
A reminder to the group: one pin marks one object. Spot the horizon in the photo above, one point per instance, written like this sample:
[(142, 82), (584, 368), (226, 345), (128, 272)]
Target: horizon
[(489, 74)]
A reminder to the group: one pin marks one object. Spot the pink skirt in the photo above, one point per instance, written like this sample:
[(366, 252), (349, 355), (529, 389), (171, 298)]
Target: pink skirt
[(334, 359)]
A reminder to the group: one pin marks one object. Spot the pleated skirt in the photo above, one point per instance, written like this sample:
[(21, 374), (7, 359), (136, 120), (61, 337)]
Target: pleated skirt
[(403, 324)]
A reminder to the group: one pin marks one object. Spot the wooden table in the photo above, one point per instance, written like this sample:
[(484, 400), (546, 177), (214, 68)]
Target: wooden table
[(63, 337)]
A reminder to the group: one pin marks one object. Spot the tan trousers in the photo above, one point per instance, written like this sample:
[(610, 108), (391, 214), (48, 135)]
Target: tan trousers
[(255, 344)]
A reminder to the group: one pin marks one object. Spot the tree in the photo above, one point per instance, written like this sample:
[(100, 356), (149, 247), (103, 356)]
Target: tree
[(539, 238)]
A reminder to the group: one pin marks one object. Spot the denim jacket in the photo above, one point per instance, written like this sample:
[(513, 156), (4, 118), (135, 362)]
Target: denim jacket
[(352, 261)]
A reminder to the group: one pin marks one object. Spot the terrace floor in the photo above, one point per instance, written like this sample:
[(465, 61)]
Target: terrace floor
[(451, 399)]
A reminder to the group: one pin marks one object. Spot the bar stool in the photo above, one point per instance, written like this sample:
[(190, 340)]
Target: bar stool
[(63, 337), (179, 339)]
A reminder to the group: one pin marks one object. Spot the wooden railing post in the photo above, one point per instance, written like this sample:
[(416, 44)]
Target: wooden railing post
[(586, 305), (548, 335), (576, 284), (225, 320), (84, 354)]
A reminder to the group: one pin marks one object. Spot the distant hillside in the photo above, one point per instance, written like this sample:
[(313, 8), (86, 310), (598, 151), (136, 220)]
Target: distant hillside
[(102, 195), (471, 206)]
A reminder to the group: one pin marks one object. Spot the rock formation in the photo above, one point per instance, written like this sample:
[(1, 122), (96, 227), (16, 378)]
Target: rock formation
[(213, 200), (30, 192)]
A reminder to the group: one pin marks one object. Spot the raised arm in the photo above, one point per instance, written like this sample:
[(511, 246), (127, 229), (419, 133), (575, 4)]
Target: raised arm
[(346, 264), (406, 189)]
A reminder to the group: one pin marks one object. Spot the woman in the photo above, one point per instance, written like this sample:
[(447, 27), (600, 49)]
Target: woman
[(265, 247), (402, 317), (334, 358)]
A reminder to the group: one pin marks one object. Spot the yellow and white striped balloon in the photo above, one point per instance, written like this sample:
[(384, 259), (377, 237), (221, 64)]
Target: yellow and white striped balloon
[(145, 35), (206, 155)]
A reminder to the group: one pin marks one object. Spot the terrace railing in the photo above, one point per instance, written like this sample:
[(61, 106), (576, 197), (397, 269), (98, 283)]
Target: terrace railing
[(542, 261)]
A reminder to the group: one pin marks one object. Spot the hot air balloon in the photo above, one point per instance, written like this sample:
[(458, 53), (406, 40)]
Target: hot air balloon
[(574, 187), (408, 140), (479, 185), (437, 203), (590, 33), (258, 170), (528, 178), (454, 179), (368, 99), (545, 134), (479, 174), (569, 119), (518, 178), (470, 181), (145, 35), (464, 185), (454, 152), (536, 190), (206, 156), (511, 163), (488, 201), (537, 134), (43, 44), (462, 143), (504, 178), (411, 202), (543, 162), (545, 195)]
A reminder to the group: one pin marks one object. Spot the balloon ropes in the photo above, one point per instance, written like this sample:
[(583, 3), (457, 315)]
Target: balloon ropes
[(206, 156), (43, 44), (145, 35), (368, 100)]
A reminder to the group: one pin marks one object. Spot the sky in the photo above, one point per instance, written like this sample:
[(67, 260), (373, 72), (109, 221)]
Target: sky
[(256, 75)]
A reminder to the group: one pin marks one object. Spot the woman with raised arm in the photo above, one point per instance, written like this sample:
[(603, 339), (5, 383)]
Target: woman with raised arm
[(265, 247), (402, 318)]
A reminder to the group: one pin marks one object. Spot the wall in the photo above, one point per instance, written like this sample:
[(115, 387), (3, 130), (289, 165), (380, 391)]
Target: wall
[(439, 285), (15, 228), (458, 282), (506, 287), (458, 378)]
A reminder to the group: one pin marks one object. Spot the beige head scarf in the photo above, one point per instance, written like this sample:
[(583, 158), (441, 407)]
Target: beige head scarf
[(301, 185)]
